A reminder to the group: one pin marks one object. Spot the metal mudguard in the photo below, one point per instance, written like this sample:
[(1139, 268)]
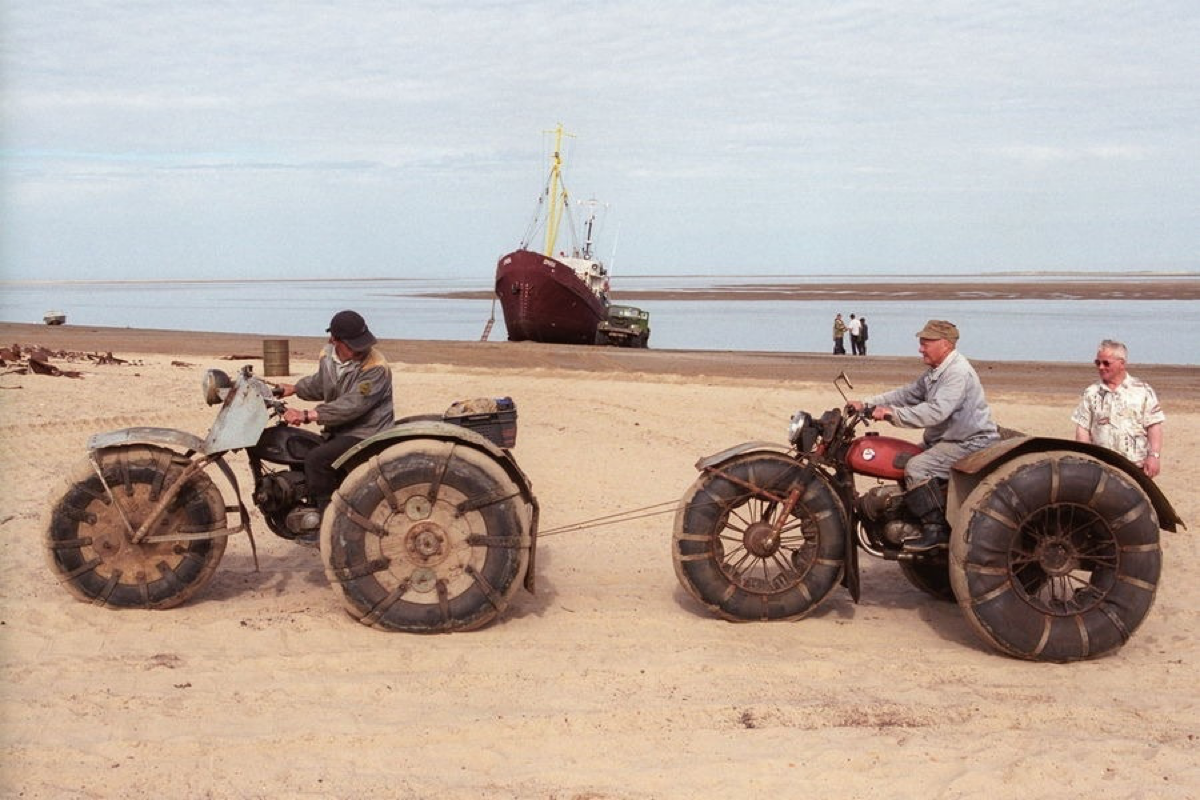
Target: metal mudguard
[(740, 450), (970, 471), (188, 444), (167, 437), (419, 428), (431, 429)]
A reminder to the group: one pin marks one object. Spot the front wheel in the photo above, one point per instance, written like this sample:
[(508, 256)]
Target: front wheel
[(427, 537), (760, 538), (88, 539), (1056, 557)]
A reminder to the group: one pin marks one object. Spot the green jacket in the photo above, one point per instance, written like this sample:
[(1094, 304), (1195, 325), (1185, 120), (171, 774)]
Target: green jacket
[(355, 396)]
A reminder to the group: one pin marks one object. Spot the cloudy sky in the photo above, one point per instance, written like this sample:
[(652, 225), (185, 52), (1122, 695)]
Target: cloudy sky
[(367, 139)]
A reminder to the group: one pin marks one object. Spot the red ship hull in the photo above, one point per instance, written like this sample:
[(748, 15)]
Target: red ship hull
[(544, 300)]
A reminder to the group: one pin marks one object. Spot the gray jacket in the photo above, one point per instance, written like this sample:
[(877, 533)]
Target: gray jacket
[(356, 396), (947, 401)]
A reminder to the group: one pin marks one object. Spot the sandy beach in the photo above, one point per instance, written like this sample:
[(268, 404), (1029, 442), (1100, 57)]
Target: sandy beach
[(610, 681)]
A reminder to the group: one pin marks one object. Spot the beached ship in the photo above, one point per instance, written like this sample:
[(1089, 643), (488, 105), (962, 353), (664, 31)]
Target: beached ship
[(54, 318), (557, 296)]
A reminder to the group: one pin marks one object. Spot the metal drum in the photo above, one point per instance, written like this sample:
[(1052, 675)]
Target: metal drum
[(275, 357)]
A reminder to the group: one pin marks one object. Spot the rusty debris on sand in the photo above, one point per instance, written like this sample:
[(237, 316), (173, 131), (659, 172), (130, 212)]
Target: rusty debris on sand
[(23, 360)]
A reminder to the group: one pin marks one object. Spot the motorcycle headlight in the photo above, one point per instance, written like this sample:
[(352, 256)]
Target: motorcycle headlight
[(214, 386), (800, 421)]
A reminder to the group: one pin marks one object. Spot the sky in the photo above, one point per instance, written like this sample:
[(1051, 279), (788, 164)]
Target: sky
[(352, 139)]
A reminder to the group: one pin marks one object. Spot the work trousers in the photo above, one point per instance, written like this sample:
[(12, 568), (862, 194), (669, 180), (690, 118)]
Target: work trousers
[(320, 476), (936, 461)]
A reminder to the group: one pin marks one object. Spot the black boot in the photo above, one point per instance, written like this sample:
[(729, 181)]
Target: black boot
[(927, 501)]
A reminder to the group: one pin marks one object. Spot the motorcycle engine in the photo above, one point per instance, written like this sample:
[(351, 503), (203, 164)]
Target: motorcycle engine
[(279, 491), (885, 516)]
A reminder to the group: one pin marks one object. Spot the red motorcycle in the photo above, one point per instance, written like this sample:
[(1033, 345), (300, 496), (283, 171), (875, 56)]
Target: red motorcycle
[(1054, 549)]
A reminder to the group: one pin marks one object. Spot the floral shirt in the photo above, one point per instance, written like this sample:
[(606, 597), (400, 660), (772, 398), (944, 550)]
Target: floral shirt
[(1118, 418)]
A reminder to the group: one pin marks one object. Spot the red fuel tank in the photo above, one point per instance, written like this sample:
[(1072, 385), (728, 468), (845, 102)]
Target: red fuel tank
[(877, 455)]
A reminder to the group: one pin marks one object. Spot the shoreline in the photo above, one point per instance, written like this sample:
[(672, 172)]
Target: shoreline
[(906, 291), (1176, 384)]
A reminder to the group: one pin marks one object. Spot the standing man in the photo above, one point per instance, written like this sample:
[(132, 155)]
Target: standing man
[(1121, 412), (862, 337), (855, 328), (353, 386), (839, 336), (948, 402)]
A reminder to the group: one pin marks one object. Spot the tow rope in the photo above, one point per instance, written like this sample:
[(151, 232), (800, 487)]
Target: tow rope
[(667, 507)]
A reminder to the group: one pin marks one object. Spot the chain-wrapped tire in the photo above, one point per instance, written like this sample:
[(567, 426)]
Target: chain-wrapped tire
[(427, 537), (1055, 557), (760, 538), (88, 539)]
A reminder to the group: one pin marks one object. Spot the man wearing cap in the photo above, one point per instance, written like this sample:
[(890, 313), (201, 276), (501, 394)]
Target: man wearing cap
[(353, 386), (948, 402)]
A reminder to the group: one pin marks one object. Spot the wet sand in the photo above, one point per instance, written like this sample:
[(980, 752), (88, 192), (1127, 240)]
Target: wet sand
[(1182, 383)]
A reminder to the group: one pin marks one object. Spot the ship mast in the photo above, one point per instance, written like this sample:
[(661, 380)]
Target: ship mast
[(556, 204)]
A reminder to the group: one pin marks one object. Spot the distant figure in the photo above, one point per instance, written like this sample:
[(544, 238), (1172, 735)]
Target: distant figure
[(855, 328), (1121, 412), (862, 337), (839, 336)]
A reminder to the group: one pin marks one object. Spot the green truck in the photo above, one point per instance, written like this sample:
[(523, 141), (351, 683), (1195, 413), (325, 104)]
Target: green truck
[(625, 326)]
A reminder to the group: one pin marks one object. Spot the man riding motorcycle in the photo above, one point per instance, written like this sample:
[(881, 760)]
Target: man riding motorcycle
[(353, 384), (949, 403)]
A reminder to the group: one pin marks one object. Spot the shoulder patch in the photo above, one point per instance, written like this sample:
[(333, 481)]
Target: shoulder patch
[(364, 388)]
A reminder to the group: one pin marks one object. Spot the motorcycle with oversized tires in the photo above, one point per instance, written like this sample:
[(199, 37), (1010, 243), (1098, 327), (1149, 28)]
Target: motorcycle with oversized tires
[(432, 527), (1054, 548)]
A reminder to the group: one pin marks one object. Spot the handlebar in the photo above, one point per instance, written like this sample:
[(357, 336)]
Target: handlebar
[(868, 414)]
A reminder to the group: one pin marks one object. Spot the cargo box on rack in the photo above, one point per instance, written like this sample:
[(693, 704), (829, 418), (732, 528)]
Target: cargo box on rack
[(494, 418)]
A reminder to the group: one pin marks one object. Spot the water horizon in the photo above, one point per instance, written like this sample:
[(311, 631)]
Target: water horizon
[(1053, 330)]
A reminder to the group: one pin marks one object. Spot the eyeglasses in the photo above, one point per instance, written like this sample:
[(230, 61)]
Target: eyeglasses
[(1100, 362)]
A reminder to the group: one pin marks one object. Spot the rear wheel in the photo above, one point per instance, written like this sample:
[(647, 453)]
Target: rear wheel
[(91, 524), (427, 537), (931, 577), (760, 539), (1056, 557)]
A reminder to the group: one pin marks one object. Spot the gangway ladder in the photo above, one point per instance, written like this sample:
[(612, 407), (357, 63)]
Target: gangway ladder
[(487, 329)]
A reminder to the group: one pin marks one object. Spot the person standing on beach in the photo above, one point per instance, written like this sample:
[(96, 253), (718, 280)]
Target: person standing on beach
[(353, 384), (839, 336), (948, 402), (855, 329), (862, 337), (1121, 412)]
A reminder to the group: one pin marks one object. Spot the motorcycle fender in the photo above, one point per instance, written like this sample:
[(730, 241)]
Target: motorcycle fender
[(173, 439), (739, 450), (970, 471), (419, 428), (167, 437)]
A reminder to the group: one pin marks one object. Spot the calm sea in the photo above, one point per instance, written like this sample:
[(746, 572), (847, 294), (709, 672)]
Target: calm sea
[(1156, 331)]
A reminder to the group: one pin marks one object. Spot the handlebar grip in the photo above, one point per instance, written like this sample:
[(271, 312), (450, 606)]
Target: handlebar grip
[(869, 413)]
